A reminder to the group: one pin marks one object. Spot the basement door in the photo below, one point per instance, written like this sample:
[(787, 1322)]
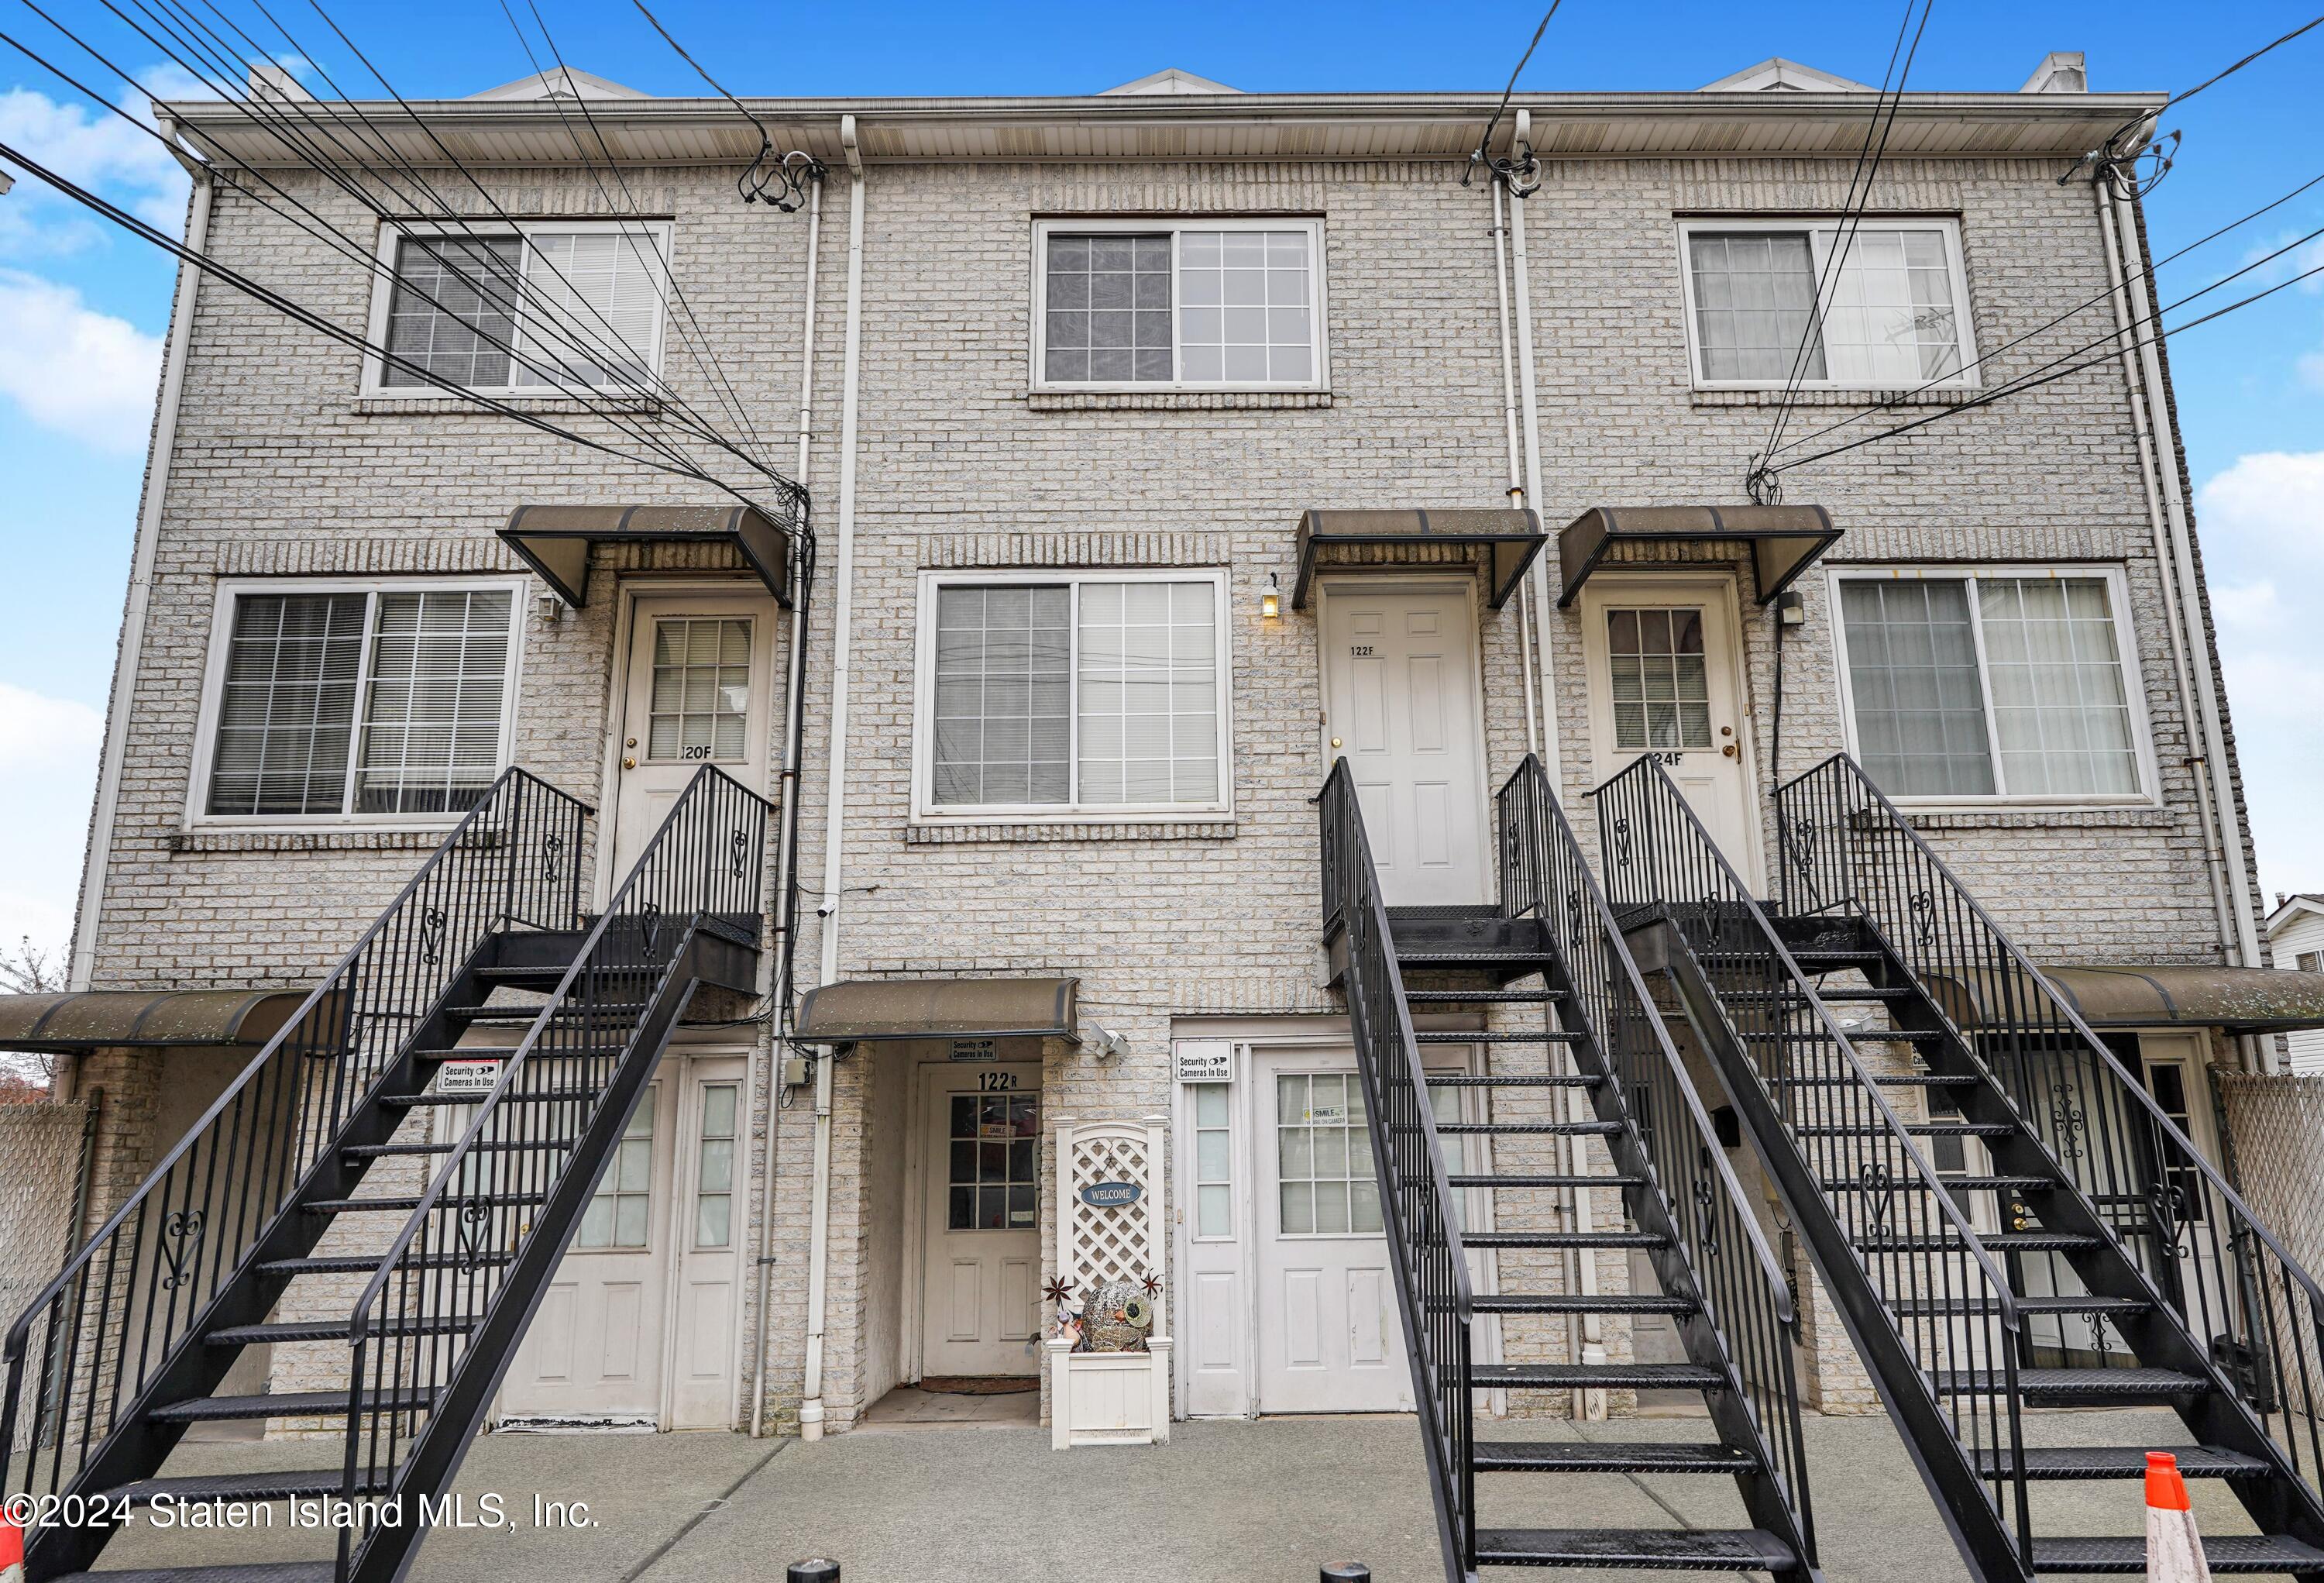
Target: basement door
[(697, 688), (1401, 700), (637, 1328), (980, 1163), (1666, 670)]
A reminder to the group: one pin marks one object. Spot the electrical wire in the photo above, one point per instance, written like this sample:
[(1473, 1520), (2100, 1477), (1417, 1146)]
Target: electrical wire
[(750, 184), (2106, 152), (1506, 171)]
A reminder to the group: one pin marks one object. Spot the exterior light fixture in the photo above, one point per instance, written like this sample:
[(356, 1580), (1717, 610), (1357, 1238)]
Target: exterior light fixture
[(549, 607), (1791, 608), (1270, 599)]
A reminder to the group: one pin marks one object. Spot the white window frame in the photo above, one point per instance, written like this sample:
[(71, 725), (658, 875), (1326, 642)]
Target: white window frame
[(2134, 684), (926, 810), (385, 284), (1170, 227), (1822, 231), (230, 590)]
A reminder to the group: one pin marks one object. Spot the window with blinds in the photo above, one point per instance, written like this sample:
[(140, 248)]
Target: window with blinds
[(380, 701), (1991, 685), (574, 308), (1873, 307), (1101, 693)]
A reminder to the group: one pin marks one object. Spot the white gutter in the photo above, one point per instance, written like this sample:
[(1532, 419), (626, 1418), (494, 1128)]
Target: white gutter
[(2215, 760), (1516, 482), (1588, 1405), (97, 855), (834, 795), (793, 729)]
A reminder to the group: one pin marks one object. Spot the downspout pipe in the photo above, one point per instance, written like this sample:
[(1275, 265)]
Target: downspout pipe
[(834, 795), (786, 847), (97, 855), (2165, 427), (1516, 494)]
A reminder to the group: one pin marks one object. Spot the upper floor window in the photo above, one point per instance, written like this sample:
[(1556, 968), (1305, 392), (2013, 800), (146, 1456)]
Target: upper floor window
[(1893, 309), (343, 701), (2011, 684), (1146, 305), (1064, 694), (573, 306)]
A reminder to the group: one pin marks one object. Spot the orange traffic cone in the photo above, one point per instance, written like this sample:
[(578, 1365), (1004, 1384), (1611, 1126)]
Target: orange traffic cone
[(11, 1550), (2174, 1551)]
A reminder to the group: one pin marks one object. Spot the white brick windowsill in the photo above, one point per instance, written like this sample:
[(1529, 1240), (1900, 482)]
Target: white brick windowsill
[(453, 406), (992, 830), (2045, 818), (1174, 400), (318, 840), (1834, 398)]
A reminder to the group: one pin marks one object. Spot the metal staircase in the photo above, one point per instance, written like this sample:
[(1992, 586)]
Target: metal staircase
[(259, 1220), (2001, 1213), (1598, 1065)]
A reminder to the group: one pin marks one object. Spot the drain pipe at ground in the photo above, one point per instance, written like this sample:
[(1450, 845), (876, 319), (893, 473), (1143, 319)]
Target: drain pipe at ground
[(834, 797), (793, 731), (1590, 1405)]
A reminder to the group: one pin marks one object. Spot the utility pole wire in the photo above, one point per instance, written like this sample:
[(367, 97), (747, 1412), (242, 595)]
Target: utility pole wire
[(2105, 153), (1484, 143)]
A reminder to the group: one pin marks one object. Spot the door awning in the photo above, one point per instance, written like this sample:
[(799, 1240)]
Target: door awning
[(870, 1010), (65, 1025), (2235, 1000), (1506, 541), (1784, 539), (554, 541)]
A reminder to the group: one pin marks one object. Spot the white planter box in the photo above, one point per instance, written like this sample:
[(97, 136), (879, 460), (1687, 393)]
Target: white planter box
[(1108, 1398)]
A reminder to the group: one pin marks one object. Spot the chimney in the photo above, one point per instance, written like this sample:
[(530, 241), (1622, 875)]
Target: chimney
[(2062, 71)]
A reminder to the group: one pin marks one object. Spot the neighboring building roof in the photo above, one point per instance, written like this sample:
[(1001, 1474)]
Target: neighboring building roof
[(564, 82), (2289, 908), (66, 1023), (1171, 81), (1784, 76)]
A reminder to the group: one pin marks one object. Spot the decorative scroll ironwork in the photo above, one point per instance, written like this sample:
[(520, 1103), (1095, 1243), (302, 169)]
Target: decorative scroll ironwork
[(181, 1238)]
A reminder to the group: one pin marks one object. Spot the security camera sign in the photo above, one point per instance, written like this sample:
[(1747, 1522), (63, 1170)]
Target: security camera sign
[(468, 1080), (1204, 1061)]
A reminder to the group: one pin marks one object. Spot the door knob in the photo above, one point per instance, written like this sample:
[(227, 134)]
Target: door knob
[(629, 763), (1335, 742), (1729, 751)]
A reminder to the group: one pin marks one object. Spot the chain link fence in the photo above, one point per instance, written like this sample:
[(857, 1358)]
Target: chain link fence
[(2275, 1139), (43, 1190)]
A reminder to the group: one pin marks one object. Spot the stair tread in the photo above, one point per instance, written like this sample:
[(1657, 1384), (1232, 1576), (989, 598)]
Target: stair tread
[(1568, 1376), (197, 1488), (329, 1330), (502, 1052), (1532, 1080), (2234, 1553), (1655, 1549), (1544, 1179), (357, 1264), (449, 1201), (394, 1151), (546, 1096), (1886, 1080), (2120, 1462), (1545, 1036), (1437, 956), (1549, 1128), (1609, 1457), (281, 1405), (1536, 1239), (2032, 1241), (1508, 1303), (2081, 1303), (1966, 1184), (2072, 1382), (1482, 996), (1919, 1129), (233, 1572)]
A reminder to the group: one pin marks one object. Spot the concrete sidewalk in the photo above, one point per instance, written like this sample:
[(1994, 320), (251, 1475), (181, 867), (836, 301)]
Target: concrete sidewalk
[(1224, 1503)]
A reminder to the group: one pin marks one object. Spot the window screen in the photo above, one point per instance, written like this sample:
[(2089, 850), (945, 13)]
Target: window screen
[(1911, 669), (594, 308), (1890, 315), (1754, 299), (438, 684), (465, 333), (575, 308), (1003, 725), (2059, 708), (1109, 309), (287, 713), (1148, 693)]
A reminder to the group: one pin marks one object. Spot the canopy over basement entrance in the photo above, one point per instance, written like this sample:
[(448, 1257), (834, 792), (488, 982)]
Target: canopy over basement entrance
[(2233, 1000), (1502, 543), (867, 1010), (1784, 540), (106, 1019), (556, 541)]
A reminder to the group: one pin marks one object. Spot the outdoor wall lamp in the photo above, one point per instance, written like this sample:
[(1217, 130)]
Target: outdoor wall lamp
[(1270, 599), (1792, 607), (548, 607)]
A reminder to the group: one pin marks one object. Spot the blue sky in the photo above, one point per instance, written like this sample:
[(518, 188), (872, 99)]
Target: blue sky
[(82, 309)]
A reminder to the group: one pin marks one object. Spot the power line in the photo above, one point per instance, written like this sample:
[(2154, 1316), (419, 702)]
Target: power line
[(2106, 152), (1508, 172), (794, 169)]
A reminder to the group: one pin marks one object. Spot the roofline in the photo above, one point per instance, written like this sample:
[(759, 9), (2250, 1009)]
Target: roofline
[(2301, 902)]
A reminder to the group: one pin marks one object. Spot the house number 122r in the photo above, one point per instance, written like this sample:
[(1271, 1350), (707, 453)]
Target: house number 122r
[(995, 1082)]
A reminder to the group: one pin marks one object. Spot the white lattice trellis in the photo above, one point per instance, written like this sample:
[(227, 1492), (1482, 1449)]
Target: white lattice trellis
[(1123, 1243)]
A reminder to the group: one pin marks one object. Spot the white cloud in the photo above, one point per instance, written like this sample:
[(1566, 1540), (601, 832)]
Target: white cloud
[(95, 149), (2268, 504), (50, 744), (75, 370)]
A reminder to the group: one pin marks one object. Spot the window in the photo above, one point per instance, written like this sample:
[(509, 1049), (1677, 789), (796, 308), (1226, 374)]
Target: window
[(714, 1168), (1084, 693), (357, 702), (1323, 1156), (2310, 961), (994, 1181), (1214, 1160), (1662, 691), (618, 1216), (1991, 684), (540, 307), (1232, 304), (1893, 312)]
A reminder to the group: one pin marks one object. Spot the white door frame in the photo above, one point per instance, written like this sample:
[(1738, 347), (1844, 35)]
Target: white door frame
[(1710, 586), (1465, 585), (684, 1169), (911, 1364)]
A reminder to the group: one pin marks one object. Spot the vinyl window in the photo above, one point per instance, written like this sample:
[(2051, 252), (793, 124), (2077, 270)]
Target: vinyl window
[(1893, 311), (1231, 305), (2001, 684), (1098, 694), (570, 308), (357, 703)]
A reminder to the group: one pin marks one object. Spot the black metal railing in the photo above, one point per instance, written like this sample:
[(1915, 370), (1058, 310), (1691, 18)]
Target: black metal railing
[(528, 1158), (1424, 1237), (1947, 1305), (1846, 849), (1745, 1296), (84, 1358)]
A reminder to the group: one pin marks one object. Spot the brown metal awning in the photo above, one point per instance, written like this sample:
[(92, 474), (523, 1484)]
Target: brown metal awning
[(63, 1024), (1784, 539), (2235, 1000), (554, 541), (1507, 540), (870, 1009)]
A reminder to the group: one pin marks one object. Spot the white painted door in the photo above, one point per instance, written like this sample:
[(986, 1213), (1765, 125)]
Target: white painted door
[(1665, 677), (1401, 696), (594, 1352), (981, 1278), (705, 1297), (697, 688)]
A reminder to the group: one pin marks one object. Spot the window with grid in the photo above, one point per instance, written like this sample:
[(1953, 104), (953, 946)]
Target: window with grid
[(1093, 693), (714, 1168), (1662, 688), (1232, 307), (1891, 312), (380, 702), (993, 1183), (1214, 1160), (700, 707), (1990, 685), (619, 1214), (544, 308)]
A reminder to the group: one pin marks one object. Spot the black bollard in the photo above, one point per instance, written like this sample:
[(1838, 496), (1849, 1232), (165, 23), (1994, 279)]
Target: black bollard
[(1346, 1572), (823, 1571)]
